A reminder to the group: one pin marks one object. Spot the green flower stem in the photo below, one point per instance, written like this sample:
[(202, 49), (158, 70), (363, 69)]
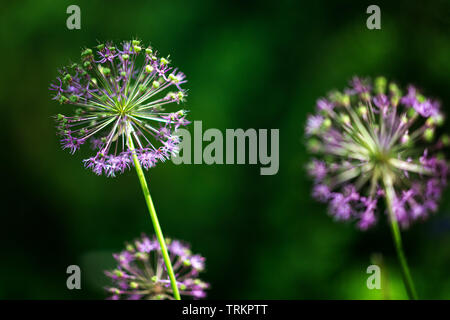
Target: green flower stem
[(407, 279), (154, 217)]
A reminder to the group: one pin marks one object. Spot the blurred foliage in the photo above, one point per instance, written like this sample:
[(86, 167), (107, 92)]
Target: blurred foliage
[(249, 65)]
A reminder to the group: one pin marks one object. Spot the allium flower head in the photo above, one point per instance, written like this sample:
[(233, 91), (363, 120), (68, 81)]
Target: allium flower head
[(372, 139), (119, 94), (141, 272)]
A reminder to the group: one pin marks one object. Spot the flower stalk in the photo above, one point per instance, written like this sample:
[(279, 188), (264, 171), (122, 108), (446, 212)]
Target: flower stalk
[(396, 236), (155, 221)]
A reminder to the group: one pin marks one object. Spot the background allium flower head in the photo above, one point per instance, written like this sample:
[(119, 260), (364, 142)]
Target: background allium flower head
[(119, 93), (369, 139), (141, 273)]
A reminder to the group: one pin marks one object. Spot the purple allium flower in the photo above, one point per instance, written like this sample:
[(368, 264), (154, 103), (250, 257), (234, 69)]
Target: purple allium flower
[(369, 135), (119, 93), (141, 272)]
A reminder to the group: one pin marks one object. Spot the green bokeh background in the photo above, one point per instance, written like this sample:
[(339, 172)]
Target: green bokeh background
[(249, 65)]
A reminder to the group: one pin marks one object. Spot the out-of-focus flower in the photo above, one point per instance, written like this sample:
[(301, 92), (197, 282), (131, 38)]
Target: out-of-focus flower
[(141, 272), (119, 93), (368, 139)]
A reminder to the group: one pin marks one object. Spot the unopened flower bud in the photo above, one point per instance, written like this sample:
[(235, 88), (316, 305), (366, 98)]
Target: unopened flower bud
[(86, 53), (345, 119), (380, 85), (164, 61), (326, 124), (106, 71), (149, 68), (428, 134), (67, 78)]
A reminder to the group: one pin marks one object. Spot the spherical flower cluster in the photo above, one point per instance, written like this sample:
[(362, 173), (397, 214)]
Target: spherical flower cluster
[(119, 93), (141, 272), (370, 140)]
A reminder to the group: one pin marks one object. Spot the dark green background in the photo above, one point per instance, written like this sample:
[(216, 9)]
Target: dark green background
[(249, 65)]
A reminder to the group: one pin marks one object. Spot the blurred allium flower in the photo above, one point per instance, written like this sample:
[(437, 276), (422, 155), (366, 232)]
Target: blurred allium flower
[(119, 92), (370, 141), (141, 273)]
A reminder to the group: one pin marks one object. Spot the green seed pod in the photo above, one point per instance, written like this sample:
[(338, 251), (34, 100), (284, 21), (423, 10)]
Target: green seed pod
[(345, 118), (345, 100), (428, 134), (149, 69), (380, 85), (63, 99), (87, 52), (67, 78), (164, 61), (411, 112), (364, 96), (326, 124), (362, 110), (106, 71), (445, 139)]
